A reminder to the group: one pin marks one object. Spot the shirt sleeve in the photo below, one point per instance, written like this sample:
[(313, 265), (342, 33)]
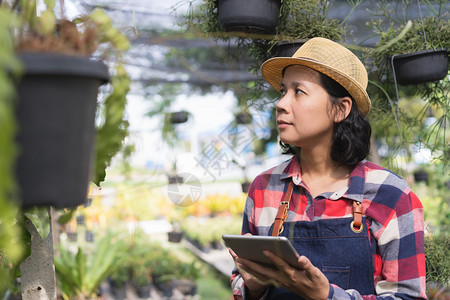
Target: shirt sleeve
[(400, 258), (237, 283)]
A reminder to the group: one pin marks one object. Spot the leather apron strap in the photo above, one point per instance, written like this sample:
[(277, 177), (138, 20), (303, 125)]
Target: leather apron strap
[(356, 224), (283, 211)]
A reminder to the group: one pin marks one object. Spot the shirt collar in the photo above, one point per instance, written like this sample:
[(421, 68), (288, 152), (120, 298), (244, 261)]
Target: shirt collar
[(355, 190)]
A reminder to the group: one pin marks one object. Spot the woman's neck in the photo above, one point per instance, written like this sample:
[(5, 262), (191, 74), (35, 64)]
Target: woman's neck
[(321, 174)]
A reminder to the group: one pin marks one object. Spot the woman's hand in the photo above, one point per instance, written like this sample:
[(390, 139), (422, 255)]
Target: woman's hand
[(304, 280), (255, 288)]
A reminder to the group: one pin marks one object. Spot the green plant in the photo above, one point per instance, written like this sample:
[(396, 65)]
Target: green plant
[(79, 275), (84, 36), (163, 97), (22, 30), (397, 119), (437, 256), (11, 248), (298, 20), (121, 273), (207, 231)]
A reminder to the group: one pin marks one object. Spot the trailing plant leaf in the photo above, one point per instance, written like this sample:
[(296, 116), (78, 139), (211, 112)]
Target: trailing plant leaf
[(112, 132), (39, 216)]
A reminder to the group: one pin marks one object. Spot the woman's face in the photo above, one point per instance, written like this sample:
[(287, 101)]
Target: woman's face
[(303, 112)]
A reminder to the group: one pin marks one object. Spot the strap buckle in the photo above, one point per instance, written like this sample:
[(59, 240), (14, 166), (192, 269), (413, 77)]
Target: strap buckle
[(285, 202)]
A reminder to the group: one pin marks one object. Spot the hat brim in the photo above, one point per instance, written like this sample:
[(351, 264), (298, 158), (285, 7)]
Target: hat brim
[(272, 70)]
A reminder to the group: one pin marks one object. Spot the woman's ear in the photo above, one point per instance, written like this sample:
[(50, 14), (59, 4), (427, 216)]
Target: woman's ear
[(344, 109)]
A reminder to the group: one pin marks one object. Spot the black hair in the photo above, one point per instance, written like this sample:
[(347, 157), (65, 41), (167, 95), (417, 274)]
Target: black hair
[(351, 137)]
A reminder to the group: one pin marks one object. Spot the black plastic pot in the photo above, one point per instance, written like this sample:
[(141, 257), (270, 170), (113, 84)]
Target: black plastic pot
[(420, 67), (179, 117), (245, 186), (143, 292), (251, 16), (119, 293), (174, 236), (421, 176), (80, 220), (89, 236), (56, 114), (243, 118), (287, 49)]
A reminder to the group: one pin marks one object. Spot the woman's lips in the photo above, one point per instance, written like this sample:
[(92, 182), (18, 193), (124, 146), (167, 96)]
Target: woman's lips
[(283, 124)]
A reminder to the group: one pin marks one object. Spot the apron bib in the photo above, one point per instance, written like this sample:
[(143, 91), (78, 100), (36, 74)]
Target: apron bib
[(345, 257)]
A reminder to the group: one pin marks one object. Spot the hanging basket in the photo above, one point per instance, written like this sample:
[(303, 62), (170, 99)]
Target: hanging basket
[(420, 67), (56, 116), (243, 118), (287, 49), (178, 117), (250, 16)]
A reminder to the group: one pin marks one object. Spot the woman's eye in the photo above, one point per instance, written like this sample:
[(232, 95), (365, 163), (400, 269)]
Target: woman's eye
[(298, 91), (282, 92)]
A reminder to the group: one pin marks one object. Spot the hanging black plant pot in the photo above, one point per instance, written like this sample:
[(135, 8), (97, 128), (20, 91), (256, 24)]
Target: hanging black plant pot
[(250, 16), (56, 114), (243, 118), (421, 176), (178, 117), (420, 67), (287, 49), (245, 186)]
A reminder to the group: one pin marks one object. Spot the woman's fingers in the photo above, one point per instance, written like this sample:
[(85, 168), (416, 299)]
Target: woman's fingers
[(277, 261)]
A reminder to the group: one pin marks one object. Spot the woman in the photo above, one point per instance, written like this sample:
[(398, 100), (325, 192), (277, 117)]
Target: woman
[(358, 227)]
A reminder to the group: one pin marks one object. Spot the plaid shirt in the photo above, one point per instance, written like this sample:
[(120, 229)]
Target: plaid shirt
[(393, 211)]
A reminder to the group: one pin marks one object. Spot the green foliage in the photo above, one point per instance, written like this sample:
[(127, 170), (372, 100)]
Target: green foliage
[(210, 230), (114, 129), (162, 99), (307, 19), (435, 199), (11, 249), (437, 255), (80, 274), (298, 19)]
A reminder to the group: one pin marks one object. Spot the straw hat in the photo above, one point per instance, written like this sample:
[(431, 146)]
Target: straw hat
[(329, 58)]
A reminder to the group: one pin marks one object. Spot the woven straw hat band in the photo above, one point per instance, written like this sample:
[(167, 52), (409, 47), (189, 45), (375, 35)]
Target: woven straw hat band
[(329, 58)]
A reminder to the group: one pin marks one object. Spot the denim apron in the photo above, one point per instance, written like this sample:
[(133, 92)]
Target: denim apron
[(345, 257)]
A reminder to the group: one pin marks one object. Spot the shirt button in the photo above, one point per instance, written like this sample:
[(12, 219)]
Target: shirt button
[(296, 179)]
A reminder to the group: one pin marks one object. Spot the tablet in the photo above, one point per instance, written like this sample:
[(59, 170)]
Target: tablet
[(252, 246)]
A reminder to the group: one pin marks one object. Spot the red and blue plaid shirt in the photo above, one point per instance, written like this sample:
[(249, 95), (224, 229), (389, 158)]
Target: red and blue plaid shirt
[(393, 211)]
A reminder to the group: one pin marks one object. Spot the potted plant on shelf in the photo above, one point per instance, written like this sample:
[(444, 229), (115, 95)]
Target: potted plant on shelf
[(298, 20), (57, 103)]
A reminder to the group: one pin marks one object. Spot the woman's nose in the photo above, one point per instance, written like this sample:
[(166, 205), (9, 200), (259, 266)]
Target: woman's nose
[(283, 104)]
